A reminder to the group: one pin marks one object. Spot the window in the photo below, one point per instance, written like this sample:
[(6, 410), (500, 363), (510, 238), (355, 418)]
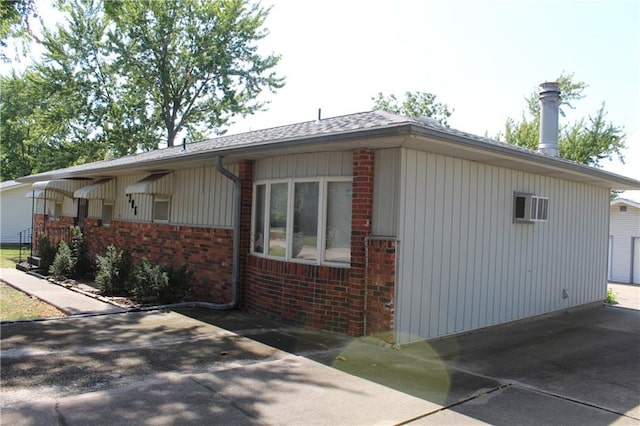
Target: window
[(83, 211), (623, 208), (306, 220), (54, 212), (530, 208), (161, 208), (107, 212)]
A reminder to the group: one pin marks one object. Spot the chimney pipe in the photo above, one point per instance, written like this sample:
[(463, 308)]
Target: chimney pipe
[(549, 94)]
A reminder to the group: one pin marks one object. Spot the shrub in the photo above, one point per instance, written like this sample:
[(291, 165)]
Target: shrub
[(179, 285), (63, 264), (114, 270), (149, 281), (79, 252), (45, 251)]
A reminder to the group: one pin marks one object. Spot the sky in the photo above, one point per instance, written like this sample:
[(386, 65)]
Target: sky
[(482, 58)]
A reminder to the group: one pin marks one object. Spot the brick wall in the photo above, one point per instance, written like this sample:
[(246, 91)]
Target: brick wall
[(207, 252), (381, 282), (309, 295), (57, 230)]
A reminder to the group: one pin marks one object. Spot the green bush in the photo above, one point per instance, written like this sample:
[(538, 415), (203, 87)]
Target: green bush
[(79, 253), (149, 281), (160, 284), (63, 264), (611, 297), (45, 251), (113, 272)]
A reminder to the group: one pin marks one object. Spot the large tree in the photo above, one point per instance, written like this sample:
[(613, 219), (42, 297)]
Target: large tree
[(194, 62), (14, 21), (414, 105), (585, 141)]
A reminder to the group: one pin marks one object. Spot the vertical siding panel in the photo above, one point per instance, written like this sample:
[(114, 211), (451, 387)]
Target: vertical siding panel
[(418, 239), (471, 246), (455, 260), (427, 263), (436, 278), (444, 207), (409, 256)]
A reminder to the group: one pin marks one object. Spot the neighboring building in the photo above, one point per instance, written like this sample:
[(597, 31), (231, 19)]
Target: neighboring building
[(624, 241), (15, 211), (364, 223)]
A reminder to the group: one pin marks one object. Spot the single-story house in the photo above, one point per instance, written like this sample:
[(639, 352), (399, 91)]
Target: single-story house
[(365, 223), (15, 212), (624, 241)]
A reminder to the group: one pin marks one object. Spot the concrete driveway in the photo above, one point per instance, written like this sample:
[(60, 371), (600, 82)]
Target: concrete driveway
[(206, 367)]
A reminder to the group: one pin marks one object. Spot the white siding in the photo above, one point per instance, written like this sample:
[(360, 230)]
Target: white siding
[(305, 165), (386, 186), (464, 264), (14, 212), (624, 226)]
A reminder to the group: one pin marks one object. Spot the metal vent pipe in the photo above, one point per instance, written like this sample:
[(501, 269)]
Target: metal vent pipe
[(549, 94)]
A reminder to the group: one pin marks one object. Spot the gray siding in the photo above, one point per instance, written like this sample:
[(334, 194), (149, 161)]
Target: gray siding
[(624, 227), (386, 189), (464, 264), (305, 165), (14, 208)]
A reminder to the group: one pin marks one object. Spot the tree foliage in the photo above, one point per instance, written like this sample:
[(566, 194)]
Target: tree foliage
[(585, 141), (118, 77), (414, 105), (14, 21)]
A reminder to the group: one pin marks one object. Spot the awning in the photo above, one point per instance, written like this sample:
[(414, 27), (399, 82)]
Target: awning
[(104, 189), (157, 183), (42, 194), (65, 187)]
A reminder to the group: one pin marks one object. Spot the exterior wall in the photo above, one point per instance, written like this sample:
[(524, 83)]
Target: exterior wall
[(13, 205), (623, 228), (464, 264), (320, 296), (57, 229), (386, 198), (305, 165), (207, 252)]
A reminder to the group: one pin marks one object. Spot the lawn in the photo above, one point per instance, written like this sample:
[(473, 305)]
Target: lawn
[(9, 255), (15, 305)]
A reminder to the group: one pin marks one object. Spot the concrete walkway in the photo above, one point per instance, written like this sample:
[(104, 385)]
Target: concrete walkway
[(62, 298)]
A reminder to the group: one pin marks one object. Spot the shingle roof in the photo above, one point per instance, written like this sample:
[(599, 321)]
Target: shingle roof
[(341, 128)]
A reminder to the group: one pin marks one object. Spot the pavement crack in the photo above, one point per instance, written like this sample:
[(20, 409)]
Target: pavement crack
[(577, 401), (447, 407), (233, 403), (62, 421)]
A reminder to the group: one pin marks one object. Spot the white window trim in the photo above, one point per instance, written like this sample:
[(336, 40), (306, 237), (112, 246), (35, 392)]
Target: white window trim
[(529, 215), (113, 210), (160, 197), (322, 219)]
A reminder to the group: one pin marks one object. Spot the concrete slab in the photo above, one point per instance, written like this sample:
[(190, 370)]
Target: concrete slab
[(62, 298), (627, 295)]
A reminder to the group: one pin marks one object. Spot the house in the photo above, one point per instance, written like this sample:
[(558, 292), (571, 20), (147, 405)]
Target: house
[(15, 211), (365, 223), (624, 241)]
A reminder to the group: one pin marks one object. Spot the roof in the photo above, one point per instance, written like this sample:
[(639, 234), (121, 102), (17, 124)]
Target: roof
[(10, 184), (625, 201), (373, 129)]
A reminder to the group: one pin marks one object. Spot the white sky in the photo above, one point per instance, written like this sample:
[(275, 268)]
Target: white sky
[(482, 58)]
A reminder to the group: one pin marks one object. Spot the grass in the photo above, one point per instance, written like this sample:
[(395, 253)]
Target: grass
[(9, 255), (15, 305)]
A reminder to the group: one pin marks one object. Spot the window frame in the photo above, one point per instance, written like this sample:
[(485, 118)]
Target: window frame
[(321, 225), (113, 209), (530, 208), (161, 198)]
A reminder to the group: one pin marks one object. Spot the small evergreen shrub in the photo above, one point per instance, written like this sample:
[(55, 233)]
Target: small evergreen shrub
[(63, 264), (150, 282), (45, 251), (179, 285), (79, 253), (113, 272)]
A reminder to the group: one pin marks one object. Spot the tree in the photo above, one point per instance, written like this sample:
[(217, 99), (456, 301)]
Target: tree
[(415, 105), (14, 21), (586, 141), (194, 62)]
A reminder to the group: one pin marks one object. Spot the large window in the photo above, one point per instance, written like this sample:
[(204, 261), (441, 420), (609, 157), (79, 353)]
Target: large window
[(306, 220)]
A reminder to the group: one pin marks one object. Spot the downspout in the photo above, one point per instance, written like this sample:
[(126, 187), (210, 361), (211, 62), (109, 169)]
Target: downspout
[(235, 274)]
